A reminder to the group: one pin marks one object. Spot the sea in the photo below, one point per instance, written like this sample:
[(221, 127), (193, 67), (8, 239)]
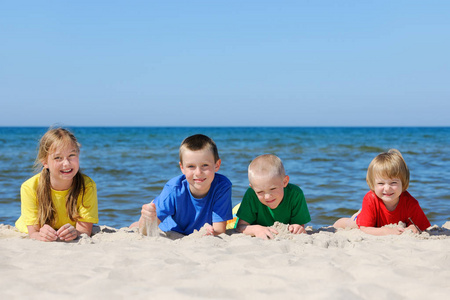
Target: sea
[(130, 165)]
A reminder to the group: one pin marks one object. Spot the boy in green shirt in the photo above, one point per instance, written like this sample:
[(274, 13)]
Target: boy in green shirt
[(271, 198)]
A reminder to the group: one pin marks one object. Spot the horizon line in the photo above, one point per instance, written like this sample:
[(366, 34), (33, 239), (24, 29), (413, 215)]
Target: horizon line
[(227, 126)]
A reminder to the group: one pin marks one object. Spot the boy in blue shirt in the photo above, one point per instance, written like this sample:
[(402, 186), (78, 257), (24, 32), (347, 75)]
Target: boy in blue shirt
[(200, 196)]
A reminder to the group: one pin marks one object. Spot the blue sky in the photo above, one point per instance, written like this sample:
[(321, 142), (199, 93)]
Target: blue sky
[(225, 63)]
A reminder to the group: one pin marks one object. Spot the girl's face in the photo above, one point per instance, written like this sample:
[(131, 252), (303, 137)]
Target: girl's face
[(388, 190), (63, 164)]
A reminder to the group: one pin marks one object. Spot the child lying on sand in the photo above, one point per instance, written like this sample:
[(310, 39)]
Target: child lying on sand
[(388, 201), (271, 198)]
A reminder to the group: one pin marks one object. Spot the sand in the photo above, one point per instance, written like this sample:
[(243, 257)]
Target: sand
[(322, 264)]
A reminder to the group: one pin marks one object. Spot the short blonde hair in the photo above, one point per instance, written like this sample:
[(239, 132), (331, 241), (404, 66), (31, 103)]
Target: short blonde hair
[(388, 165), (267, 165)]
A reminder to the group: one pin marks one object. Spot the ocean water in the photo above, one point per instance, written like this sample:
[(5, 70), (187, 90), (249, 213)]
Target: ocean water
[(131, 165)]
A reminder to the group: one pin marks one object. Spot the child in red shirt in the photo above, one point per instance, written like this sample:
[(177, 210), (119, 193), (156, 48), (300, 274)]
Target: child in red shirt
[(387, 202)]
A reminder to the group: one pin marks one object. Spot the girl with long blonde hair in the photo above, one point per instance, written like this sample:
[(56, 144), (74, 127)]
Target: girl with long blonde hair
[(60, 202)]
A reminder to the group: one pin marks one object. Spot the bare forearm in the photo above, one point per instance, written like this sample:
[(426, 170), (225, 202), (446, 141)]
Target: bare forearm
[(45, 233), (246, 229), (373, 230), (219, 227), (258, 231), (381, 231), (36, 236), (84, 227)]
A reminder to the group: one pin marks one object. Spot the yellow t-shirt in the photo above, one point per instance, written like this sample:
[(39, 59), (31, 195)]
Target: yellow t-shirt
[(29, 205)]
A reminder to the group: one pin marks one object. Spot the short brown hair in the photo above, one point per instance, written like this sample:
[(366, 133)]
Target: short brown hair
[(388, 165), (199, 142)]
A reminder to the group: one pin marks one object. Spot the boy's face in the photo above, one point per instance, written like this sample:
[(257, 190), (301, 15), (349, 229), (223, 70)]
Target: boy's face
[(270, 190), (199, 168), (388, 190)]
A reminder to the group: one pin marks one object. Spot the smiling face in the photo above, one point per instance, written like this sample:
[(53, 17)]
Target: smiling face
[(63, 164), (199, 167), (269, 189), (388, 190)]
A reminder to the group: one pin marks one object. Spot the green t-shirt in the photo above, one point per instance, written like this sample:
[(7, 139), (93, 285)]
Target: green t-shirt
[(291, 210)]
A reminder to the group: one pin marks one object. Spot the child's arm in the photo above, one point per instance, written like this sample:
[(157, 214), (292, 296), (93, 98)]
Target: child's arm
[(222, 209), (46, 233), (413, 228), (67, 232), (382, 230), (84, 227), (218, 228), (148, 213), (265, 233)]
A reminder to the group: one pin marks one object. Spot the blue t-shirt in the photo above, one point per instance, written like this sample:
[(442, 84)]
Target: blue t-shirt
[(179, 211)]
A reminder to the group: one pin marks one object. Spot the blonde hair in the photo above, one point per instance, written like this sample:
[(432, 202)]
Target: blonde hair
[(53, 139), (266, 165), (388, 165), (199, 142)]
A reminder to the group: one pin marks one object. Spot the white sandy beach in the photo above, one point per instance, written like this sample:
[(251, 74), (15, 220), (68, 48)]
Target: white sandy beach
[(323, 264)]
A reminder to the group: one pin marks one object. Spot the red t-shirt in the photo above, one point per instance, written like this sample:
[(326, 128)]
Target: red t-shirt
[(375, 214)]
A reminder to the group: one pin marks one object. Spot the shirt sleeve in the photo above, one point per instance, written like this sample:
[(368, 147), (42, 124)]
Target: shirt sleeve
[(246, 211), (29, 205), (418, 216), (88, 208), (222, 210), (367, 216), (300, 212), (165, 203)]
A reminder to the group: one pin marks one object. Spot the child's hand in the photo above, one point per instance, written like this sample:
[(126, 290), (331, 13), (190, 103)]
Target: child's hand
[(296, 229), (265, 233), (148, 217), (67, 233), (413, 228), (47, 234), (383, 230), (148, 211), (209, 229)]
